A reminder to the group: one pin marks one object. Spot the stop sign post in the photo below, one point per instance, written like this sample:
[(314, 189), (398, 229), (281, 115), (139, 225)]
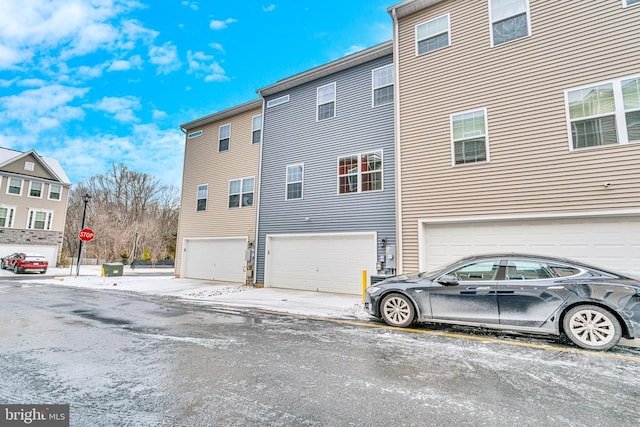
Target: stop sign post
[(86, 234)]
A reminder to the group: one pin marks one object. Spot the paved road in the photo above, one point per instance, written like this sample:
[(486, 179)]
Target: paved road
[(126, 359)]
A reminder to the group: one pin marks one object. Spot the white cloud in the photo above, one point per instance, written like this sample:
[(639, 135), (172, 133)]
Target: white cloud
[(191, 5), (31, 83), (205, 67), (217, 46), (135, 62), (122, 109), (221, 25), (49, 104), (159, 115), (353, 49), (165, 57), (269, 8)]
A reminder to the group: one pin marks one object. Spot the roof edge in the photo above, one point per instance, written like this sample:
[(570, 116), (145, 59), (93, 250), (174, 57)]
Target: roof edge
[(349, 61), (410, 6), (220, 115)]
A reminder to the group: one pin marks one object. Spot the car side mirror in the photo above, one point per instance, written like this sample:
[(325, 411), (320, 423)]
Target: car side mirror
[(448, 280)]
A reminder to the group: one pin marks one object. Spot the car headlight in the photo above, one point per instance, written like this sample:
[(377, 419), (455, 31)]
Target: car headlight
[(372, 290)]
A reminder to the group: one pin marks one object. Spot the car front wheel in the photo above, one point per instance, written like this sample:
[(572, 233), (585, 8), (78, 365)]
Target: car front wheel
[(397, 310), (15, 269), (592, 327)]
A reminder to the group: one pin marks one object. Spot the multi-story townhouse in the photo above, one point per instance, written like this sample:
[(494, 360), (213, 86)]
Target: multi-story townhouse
[(518, 129), (33, 204), (327, 180), (217, 223)]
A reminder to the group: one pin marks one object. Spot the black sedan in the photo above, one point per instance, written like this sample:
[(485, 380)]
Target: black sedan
[(593, 307)]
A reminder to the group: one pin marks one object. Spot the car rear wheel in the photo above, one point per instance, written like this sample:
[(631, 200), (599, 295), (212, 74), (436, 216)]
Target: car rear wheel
[(592, 327), (397, 310)]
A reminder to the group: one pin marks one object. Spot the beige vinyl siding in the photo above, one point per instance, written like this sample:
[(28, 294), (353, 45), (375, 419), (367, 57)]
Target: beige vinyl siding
[(522, 85), (203, 164)]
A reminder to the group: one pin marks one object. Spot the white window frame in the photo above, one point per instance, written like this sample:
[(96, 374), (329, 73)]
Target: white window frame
[(31, 219), (29, 166), (287, 182), (50, 191), (228, 138), (11, 216), (255, 129), (625, 3), (619, 113), (194, 134), (360, 173), (491, 22), (242, 192), (332, 100), (205, 198), (277, 101), (9, 178), (31, 184), (374, 87), (486, 138), (430, 36)]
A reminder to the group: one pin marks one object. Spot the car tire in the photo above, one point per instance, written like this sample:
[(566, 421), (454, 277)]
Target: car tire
[(592, 327), (15, 269), (397, 310)]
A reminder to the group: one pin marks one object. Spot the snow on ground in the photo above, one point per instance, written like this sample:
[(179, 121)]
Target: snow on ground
[(161, 281), (149, 281)]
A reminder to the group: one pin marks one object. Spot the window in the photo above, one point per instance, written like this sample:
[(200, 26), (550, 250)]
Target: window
[(469, 134), (194, 134), (14, 186), (39, 220), (432, 35), (527, 270), (360, 173), (201, 198), (383, 85), (604, 114), (224, 133), (6, 216), (35, 189), (241, 192), (630, 2), (478, 271), (256, 129), (326, 101), (295, 177), (55, 192), (509, 20), (29, 166), (277, 101)]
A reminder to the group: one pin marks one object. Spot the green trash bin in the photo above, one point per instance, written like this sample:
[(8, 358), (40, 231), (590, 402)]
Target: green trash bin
[(112, 269)]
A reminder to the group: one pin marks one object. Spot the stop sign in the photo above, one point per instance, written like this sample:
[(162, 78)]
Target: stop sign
[(86, 234)]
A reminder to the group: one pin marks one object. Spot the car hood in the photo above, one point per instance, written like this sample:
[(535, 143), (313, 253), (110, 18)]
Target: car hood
[(414, 277)]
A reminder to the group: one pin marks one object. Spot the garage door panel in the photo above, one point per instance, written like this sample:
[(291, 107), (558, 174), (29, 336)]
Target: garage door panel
[(330, 263), (607, 242), (216, 259)]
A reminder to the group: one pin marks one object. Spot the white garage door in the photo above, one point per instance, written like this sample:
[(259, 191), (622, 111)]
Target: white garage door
[(320, 262), (220, 259), (609, 242)]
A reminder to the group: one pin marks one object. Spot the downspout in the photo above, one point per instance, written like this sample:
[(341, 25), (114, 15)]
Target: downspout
[(255, 244), (180, 245), (396, 77)]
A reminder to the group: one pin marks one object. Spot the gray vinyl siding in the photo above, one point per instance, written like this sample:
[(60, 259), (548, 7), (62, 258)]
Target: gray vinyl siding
[(292, 135), (522, 85)]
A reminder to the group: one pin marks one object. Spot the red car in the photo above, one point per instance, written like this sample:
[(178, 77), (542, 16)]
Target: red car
[(21, 262)]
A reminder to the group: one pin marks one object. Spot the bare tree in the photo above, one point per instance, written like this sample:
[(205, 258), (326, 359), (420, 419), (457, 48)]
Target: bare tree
[(129, 211)]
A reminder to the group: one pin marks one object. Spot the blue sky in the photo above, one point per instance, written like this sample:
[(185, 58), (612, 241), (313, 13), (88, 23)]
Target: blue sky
[(92, 82)]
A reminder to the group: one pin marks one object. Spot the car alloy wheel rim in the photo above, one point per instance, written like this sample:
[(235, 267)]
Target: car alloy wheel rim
[(592, 327), (396, 310)]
